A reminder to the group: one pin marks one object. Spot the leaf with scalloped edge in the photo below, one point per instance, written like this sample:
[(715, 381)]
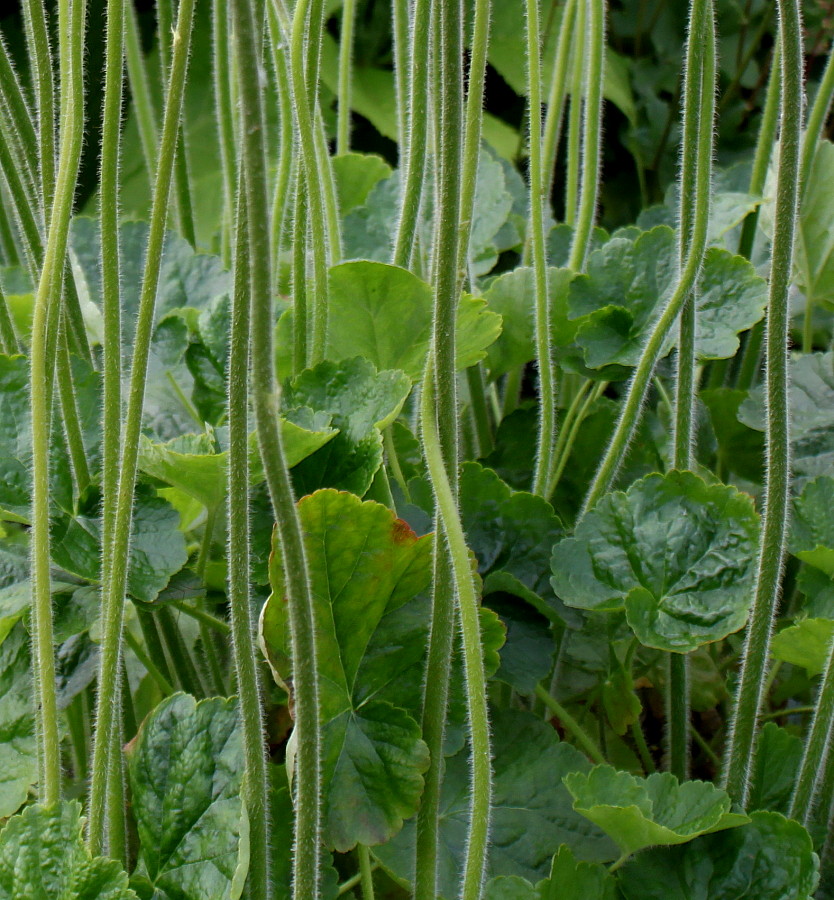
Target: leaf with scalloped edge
[(676, 553), (644, 812), (366, 569), (43, 857)]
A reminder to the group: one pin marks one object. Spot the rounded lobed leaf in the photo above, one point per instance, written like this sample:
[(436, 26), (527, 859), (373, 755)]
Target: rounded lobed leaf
[(676, 553)]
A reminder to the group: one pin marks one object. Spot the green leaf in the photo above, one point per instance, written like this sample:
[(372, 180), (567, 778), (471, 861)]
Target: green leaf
[(510, 887), (365, 568), (778, 755), (157, 548), (658, 810), (676, 553), (511, 533), (573, 879), (16, 437), (18, 750), (186, 767), (815, 236), (43, 857), (772, 858), (812, 415), (187, 279), (527, 654), (384, 313), (532, 815), (356, 174), (622, 705), (805, 644), (812, 525), (512, 296), (194, 464), (361, 402), (740, 449), (282, 817), (620, 297)]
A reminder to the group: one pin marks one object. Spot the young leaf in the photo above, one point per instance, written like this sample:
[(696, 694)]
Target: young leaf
[(778, 755), (574, 879), (510, 887), (812, 525), (772, 858), (676, 553), (43, 857), (532, 815), (616, 302), (157, 550), (356, 174), (366, 566), (384, 313), (185, 768), (361, 402), (511, 533), (18, 756), (811, 405), (658, 810), (805, 644)]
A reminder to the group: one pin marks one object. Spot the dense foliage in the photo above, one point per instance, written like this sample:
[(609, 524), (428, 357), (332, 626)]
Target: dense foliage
[(416, 450)]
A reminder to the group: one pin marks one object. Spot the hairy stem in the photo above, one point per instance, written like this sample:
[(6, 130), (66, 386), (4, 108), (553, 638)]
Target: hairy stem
[(740, 756)]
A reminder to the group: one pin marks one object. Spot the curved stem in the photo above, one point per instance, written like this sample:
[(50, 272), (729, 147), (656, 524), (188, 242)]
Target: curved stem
[(254, 248), (593, 77), (777, 483), (345, 76), (558, 92), (400, 26), (71, 31), (818, 115), (575, 117), (113, 606), (570, 724), (808, 779), (472, 129), (225, 115), (473, 661), (140, 91), (414, 164), (544, 346), (630, 415), (240, 606)]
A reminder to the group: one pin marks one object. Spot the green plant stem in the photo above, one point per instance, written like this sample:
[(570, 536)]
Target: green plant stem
[(394, 463), (639, 738), (558, 93), (817, 743), (400, 26), (299, 280), (153, 643), (71, 31), (110, 269), (543, 473), (40, 57), (473, 126), (366, 872), (575, 117), (8, 337), (283, 197), (479, 409), (416, 150), (741, 749), (225, 115), (570, 724), (20, 127), (243, 631), (185, 671), (592, 83), (113, 606), (703, 97), (182, 188), (700, 31), (569, 432), (473, 662), (140, 92), (116, 813), (151, 668), (306, 130), (254, 247), (817, 116), (345, 76), (72, 426), (77, 725)]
